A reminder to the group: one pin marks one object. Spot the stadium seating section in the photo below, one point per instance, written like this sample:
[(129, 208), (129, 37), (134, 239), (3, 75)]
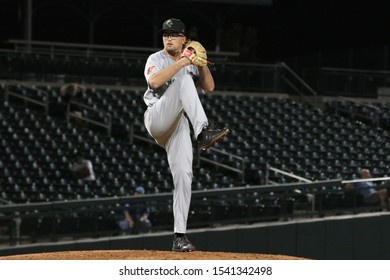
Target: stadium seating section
[(36, 147)]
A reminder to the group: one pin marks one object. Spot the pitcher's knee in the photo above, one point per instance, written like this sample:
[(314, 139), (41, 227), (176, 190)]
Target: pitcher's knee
[(183, 175), (188, 79)]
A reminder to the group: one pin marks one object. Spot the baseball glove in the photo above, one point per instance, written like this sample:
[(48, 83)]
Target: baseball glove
[(196, 53)]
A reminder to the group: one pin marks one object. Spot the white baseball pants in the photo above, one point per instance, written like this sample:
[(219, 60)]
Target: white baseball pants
[(166, 123)]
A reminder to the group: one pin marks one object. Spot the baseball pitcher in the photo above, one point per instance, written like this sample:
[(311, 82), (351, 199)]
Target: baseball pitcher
[(173, 105)]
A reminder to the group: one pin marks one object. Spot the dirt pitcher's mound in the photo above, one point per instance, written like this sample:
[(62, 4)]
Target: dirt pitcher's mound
[(146, 255)]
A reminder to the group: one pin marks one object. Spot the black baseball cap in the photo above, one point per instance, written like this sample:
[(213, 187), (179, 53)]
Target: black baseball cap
[(174, 25)]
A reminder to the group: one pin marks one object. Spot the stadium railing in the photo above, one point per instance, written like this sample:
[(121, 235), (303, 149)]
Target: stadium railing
[(124, 65), (93, 50), (44, 103), (347, 82), (105, 118), (224, 206)]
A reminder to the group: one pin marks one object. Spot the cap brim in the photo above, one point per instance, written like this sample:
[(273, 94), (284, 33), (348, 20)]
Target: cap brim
[(162, 30)]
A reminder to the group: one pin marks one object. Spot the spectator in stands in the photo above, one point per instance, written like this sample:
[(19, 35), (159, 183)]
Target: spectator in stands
[(82, 168), (67, 93), (136, 216), (369, 193)]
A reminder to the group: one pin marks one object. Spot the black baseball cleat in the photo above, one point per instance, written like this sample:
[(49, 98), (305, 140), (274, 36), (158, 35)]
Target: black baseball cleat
[(209, 136), (182, 244)]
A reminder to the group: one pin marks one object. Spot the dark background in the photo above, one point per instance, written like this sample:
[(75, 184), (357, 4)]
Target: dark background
[(266, 32)]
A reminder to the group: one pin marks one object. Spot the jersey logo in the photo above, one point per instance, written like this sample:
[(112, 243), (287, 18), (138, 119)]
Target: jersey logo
[(168, 83), (150, 69)]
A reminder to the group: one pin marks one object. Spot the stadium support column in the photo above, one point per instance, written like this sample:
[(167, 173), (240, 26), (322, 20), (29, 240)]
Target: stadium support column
[(218, 32), (28, 24)]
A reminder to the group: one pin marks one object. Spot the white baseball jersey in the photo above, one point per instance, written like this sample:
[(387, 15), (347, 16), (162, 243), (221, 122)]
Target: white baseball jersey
[(157, 62)]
